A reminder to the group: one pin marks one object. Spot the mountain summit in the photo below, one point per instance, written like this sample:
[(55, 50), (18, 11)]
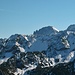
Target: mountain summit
[(46, 31), (71, 28), (47, 51)]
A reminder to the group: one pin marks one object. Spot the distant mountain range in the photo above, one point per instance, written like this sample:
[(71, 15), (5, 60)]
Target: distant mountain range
[(47, 51)]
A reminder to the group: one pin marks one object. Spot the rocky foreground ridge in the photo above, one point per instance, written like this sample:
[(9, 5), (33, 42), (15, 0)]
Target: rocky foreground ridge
[(47, 51)]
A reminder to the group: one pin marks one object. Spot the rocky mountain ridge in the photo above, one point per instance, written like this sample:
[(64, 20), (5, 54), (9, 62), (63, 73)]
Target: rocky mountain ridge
[(47, 51)]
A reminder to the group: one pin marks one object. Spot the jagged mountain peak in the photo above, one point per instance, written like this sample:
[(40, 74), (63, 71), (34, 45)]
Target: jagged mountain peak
[(17, 36), (71, 28), (46, 52), (46, 31)]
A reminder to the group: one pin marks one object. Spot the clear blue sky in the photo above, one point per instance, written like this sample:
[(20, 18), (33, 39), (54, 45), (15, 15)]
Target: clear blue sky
[(25, 16)]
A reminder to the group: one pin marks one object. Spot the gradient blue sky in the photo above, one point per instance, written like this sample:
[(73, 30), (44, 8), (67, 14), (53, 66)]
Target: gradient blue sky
[(25, 16)]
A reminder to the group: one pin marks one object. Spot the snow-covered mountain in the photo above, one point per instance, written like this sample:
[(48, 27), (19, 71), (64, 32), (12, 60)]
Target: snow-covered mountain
[(47, 51)]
